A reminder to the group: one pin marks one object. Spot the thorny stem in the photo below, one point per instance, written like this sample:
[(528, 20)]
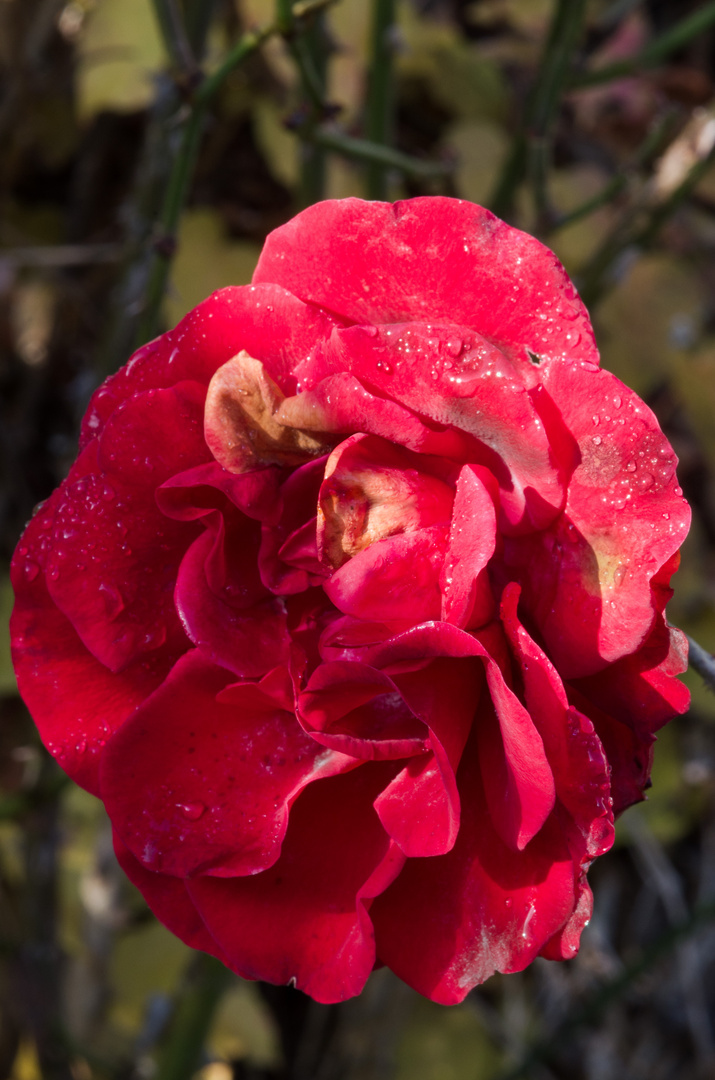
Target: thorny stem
[(595, 276), (194, 1010), (310, 51), (380, 97), (185, 162), (654, 53), (610, 992), (362, 150), (174, 35), (650, 145), (701, 661), (531, 150)]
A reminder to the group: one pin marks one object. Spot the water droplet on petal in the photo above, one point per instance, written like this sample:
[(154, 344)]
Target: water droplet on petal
[(192, 810), (31, 570)]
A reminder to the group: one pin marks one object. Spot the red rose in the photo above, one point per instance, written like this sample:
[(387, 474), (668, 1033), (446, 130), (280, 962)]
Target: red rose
[(351, 608)]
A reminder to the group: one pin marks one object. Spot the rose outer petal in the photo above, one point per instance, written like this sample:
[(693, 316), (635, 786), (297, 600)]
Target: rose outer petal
[(114, 556), (265, 320), (431, 259), (75, 701), (230, 766), (169, 900), (624, 519), (306, 919)]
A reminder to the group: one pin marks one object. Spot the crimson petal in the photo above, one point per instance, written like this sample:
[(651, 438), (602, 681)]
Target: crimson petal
[(200, 781), (306, 920)]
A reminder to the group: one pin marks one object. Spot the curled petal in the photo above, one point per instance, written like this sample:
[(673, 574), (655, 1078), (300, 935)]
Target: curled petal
[(231, 764), (307, 919)]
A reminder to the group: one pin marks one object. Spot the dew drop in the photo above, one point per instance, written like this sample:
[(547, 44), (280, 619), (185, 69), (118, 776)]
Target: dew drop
[(192, 810), (619, 575), (454, 346), (31, 570)]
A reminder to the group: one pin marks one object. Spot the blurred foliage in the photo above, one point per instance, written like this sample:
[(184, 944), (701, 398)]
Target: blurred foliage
[(95, 106)]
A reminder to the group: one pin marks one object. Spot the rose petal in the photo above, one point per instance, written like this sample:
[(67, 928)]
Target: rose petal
[(75, 701), (454, 377), (306, 919), (574, 751), (270, 323), (467, 598), (432, 259), (360, 711), (420, 809), (624, 518), (169, 900), (449, 923), (229, 769), (114, 556)]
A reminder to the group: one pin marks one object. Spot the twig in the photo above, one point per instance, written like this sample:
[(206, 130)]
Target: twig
[(380, 96), (532, 145), (180, 179), (362, 150), (610, 992), (653, 54), (196, 1003), (658, 872), (650, 145), (59, 255), (701, 661), (175, 38)]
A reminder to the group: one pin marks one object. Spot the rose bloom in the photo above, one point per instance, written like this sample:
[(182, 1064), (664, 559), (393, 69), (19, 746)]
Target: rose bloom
[(351, 608)]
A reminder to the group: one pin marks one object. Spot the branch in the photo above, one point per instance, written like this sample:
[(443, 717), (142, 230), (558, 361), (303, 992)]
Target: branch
[(653, 54), (380, 96), (363, 150), (532, 145), (701, 661)]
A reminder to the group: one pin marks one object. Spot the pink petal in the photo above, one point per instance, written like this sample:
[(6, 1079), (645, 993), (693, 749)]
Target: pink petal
[(265, 320), (298, 505), (394, 581), (624, 519), (200, 783), (467, 598), (114, 555), (574, 751), (169, 900), (306, 919), (360, 711), (449, 923), (420, 809), (373, 489), (452, 376), (431, 259), (75, 701)]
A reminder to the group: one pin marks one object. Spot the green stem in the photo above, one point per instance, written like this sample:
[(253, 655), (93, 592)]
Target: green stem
[(653, 54), (180, 181), (380, 97), (173, 31), (195, 1007), (310, 51), (197, 19), (531, 150), (363, 150)]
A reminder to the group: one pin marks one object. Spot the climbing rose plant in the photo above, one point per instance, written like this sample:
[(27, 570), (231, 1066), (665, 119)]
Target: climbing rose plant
[(351, 607)]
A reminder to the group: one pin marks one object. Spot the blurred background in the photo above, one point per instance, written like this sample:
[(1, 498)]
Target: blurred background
[(146, 148)]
